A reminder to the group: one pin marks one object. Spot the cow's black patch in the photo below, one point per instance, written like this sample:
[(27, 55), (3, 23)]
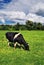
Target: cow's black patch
[(19, 39)]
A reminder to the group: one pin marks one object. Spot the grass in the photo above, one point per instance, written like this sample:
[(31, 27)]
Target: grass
[(12, 56)]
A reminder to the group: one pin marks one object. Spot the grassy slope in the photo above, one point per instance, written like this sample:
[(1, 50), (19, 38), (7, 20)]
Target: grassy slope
[(12, 56)]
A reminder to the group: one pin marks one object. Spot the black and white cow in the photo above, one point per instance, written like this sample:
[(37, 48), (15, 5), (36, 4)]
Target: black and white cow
[(17, 37)]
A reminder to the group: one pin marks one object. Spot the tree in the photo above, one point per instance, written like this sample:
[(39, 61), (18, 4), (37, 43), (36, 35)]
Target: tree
[(39, 26), (35, 26), (23, 27), (29, 25), (42, 27), (17, 26)]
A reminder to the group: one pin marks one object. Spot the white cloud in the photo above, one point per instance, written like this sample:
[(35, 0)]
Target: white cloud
[(2, 20), (25, 5), (19, 9), (35, 18), (13, 15), (37, 7)]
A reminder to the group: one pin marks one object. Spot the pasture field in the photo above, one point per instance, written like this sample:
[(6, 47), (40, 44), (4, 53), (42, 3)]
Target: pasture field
[(12, 56)]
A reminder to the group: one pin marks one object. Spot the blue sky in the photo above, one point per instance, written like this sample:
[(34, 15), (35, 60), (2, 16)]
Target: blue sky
[(22, 9)]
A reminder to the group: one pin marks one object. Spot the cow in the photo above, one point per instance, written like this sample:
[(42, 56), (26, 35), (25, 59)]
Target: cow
[(14, 37)]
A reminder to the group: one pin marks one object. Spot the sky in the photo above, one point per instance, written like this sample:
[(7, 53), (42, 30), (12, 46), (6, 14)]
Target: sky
[(21, 10)]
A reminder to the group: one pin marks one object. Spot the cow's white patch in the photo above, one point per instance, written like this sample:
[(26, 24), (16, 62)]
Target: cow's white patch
[(16, 35), (15, 44)]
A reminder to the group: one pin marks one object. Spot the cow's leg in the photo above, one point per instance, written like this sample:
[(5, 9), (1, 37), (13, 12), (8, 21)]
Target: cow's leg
[(15, 44), (8, 43)]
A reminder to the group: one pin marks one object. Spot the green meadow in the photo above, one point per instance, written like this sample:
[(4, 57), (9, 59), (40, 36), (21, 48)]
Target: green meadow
[(12, 56)]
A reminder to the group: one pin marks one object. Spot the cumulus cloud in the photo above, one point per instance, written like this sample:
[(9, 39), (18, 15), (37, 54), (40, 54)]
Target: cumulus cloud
[(25, 5), (23, 9), (35, 18), (2, 20), (37, 7), (20, 17), (13, 14)]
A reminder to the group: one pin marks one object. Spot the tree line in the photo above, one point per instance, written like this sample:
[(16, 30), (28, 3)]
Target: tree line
[(28, 26)]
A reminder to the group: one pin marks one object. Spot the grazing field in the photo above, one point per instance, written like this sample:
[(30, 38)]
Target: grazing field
[(12, 56)]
